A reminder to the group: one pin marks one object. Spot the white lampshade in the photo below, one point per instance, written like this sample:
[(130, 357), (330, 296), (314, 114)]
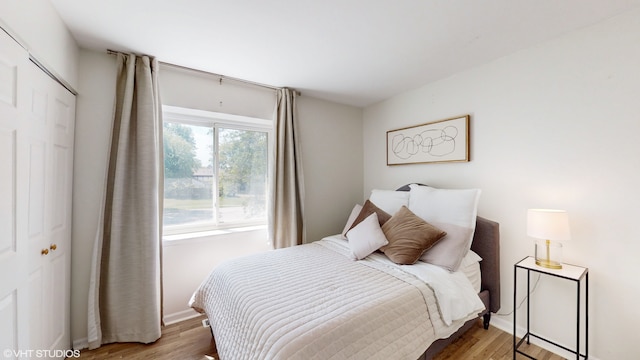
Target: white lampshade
[(548, 224)]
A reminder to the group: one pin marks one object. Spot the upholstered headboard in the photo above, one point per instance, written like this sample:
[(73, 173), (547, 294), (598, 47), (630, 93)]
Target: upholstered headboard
[(486, 243)]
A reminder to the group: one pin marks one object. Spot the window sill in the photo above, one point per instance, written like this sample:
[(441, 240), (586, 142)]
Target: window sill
[(169, 240)]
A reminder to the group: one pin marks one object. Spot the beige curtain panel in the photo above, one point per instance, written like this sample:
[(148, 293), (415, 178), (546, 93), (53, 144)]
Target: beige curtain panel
[(125, 302), (286, 226)]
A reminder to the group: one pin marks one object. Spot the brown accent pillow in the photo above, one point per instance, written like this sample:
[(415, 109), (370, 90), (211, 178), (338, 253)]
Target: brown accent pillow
[(367, 209), (409, 236)]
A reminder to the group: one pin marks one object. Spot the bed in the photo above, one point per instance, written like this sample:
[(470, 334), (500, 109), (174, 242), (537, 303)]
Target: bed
[(314, 301)]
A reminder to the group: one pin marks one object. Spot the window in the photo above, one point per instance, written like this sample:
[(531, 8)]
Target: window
[(216, 170)]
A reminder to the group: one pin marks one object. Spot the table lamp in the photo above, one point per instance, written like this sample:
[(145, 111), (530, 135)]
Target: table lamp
[(548, 226)]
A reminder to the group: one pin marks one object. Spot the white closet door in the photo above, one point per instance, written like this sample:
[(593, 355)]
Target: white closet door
[(50, 168), (14, 309), (37, 168), (59, 192)]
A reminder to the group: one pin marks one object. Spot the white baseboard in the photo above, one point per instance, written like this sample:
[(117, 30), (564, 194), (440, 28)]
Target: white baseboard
[(505, 325), (180, 316)]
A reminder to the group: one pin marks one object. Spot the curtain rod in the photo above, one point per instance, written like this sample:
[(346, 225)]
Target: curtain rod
[(221, 77)]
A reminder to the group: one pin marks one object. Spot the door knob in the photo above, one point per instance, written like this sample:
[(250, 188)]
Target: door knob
[(53, 246), (44, 252)]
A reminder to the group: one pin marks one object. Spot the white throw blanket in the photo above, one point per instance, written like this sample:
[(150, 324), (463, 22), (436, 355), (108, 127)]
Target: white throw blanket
[(313, 302)]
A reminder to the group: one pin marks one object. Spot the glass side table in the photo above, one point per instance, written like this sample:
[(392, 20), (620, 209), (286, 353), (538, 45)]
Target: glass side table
[(577, 274)]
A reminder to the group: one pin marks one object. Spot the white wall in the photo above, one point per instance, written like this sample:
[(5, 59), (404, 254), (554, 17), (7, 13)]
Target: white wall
[(331, 138), (38, 26), (552, 126), (94, 119), (198, 90), (187, 263)]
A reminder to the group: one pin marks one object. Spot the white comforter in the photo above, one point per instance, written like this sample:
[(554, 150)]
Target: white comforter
[(313, 302)]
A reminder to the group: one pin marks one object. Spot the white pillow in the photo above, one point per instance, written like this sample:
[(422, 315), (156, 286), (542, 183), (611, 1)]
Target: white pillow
[(389, 200), (366, 237), (470, 267), (352, 217), (471, 258), (453, 211)]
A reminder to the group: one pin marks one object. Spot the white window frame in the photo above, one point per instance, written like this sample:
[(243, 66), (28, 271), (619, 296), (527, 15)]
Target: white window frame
[(216, 120)]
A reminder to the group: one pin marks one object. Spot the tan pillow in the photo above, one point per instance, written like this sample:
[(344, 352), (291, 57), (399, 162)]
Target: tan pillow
[(367, 209), (409, 237)]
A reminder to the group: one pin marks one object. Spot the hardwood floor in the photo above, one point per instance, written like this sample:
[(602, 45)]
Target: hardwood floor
[(491, 344), (188, 340)]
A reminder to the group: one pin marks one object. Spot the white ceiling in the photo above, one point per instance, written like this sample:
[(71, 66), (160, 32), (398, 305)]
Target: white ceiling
[(355, 52)]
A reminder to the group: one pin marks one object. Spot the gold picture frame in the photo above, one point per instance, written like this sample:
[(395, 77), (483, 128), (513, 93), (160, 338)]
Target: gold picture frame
[(434, 142)]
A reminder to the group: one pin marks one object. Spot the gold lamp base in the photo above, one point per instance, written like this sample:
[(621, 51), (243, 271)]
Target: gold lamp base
[(549, 264), (549, 254)]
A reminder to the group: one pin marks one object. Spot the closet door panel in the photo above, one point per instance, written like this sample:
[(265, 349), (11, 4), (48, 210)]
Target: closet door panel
[(37, 290), (8, 192), (9, 322), (10, 61), (14, 297), (38, 215), (52, 109), (59, 330), (35, 181), (8, 135), (9, 74)]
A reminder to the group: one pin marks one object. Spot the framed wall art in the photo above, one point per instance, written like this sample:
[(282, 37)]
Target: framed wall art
[(439, 141)]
